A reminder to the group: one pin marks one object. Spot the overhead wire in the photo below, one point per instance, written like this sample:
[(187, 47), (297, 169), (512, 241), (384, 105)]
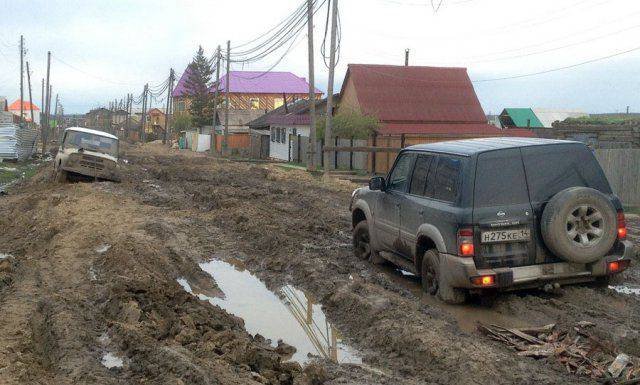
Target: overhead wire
[(558, 68)]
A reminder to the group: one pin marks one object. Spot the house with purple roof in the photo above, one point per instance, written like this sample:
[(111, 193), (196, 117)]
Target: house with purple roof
[(251, 90), (251, 95)]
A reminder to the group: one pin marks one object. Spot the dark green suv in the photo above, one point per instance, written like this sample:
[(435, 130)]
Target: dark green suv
[(493, 214)]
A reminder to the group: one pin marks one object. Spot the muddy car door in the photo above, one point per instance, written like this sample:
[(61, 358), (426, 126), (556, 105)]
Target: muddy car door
[(502, 214), (387, 211), (412, 208)]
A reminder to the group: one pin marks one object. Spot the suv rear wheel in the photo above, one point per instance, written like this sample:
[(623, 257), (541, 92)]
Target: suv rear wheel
[(433, 282)]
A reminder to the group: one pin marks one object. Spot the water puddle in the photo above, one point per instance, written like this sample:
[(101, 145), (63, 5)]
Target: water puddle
[(289, 315), (110, 361), (626, 289)]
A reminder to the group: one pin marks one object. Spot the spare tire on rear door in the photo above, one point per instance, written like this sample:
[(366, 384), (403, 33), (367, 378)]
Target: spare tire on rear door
[(579, 225)]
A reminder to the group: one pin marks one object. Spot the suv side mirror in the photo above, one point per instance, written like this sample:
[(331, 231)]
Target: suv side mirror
[(377, 183)]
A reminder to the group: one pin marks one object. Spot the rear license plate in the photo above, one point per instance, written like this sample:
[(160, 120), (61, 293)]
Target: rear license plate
[(517, 235)]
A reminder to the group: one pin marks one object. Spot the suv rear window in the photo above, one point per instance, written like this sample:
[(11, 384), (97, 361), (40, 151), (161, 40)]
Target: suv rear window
[(500, 179), (551, 169)]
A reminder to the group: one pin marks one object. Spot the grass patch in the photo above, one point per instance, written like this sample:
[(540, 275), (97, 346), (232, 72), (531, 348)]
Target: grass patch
[(10, 172)]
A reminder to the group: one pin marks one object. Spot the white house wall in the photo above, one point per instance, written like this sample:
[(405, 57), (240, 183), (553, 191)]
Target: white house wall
[(279, 150)]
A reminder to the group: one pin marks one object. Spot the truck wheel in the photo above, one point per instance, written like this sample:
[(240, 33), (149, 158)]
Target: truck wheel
[(433, 282), (361, 240), (579, 225)]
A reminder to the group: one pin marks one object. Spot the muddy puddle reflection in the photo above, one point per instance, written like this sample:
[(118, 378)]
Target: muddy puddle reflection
[(290, 315)]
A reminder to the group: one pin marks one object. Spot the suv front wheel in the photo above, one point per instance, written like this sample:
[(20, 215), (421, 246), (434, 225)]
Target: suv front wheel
[(433, 282), (362, 244)]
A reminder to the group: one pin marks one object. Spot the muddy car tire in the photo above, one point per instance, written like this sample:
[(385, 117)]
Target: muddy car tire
[(362, 241), (579, 225), (433, 281)]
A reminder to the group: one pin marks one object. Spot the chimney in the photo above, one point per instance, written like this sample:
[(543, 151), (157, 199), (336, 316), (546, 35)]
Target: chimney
[(406, 57)]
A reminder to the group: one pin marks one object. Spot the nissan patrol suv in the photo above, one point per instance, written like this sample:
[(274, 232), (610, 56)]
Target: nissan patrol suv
[(484, 215)]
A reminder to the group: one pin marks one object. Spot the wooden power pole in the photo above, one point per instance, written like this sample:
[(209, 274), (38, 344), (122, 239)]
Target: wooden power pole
[(167, 109), (21, 79), (33, 122), (311, 166), (328, 130), (47, 97), (216, 94), (225, 140), (143, 134)]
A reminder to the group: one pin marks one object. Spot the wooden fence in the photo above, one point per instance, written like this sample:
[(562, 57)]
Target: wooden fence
[(622, 167)]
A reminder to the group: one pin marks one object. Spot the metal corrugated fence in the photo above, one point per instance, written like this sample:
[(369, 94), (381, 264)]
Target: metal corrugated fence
[(17, 142)]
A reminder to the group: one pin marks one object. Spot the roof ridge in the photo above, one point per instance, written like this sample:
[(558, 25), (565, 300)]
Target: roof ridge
[(401, 66)]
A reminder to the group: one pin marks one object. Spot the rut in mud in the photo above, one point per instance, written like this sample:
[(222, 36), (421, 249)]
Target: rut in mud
[(94, 275)]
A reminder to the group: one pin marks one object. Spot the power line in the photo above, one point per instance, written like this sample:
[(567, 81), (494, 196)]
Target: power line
[(558, 68), (555, 48)]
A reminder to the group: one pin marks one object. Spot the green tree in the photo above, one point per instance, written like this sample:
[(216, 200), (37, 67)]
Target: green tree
[(349, 124), (181, 123), (197, 87)]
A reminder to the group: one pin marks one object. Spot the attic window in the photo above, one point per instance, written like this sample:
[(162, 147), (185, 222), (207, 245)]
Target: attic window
[(254, 103)]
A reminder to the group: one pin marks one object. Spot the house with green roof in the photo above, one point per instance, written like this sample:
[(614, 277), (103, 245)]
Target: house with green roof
[(519, 118)]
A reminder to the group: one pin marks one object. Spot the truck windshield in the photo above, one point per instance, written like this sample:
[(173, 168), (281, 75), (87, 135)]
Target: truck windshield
[(91, 142)]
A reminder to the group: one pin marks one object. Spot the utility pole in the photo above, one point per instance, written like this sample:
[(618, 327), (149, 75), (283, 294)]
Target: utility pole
[(311, 166), (57, 117), (42, 114), (33, 122), (167, 109), (216, 93), (128, 119), (45, 129), (49, 110), (328, 130), (225, 141), (21, 79), (406, 57), (144, 111)]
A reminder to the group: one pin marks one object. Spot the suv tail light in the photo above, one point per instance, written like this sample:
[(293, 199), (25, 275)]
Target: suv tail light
[(617, 266), (622, 225), (465, 242)]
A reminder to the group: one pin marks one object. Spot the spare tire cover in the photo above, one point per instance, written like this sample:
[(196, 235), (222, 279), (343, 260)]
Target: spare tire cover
[(579, 225)]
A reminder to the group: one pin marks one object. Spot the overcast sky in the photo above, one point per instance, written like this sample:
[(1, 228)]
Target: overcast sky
[(104, 49)]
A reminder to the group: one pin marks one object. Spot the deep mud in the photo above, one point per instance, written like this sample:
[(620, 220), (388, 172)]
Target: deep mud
[(67, 301)]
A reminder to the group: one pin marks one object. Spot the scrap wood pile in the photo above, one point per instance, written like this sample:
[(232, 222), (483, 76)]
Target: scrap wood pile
[(579, 351)]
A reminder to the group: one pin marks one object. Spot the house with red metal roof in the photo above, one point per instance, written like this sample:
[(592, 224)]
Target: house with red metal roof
[(14, 108), (429, 103), (415, 104)]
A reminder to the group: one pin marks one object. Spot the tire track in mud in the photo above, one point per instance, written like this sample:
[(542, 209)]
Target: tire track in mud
[(269, 218)]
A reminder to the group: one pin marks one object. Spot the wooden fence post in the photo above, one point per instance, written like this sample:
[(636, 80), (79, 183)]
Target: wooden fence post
[(351, 156), (335, 156), (373, 155)]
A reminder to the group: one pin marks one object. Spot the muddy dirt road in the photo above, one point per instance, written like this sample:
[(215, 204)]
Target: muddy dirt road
[(192, 269)]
